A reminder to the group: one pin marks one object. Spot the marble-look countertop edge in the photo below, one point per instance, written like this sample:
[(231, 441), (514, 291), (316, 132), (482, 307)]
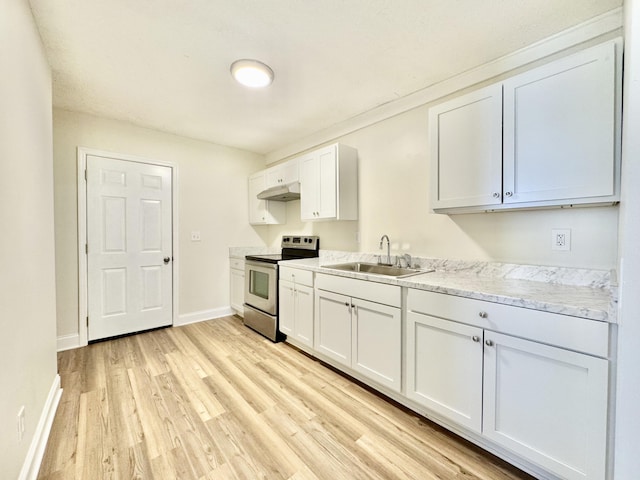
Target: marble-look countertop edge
[(589, 303)]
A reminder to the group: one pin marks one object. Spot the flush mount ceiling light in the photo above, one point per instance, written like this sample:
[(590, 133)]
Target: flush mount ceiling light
[(252, 73)]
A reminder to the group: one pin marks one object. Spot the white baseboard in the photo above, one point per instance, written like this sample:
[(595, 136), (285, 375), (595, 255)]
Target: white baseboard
[(31, 465), (203, 315), (68, 342)]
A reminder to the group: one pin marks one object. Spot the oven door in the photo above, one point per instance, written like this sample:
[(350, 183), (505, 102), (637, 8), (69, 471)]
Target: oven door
[(261, 286)]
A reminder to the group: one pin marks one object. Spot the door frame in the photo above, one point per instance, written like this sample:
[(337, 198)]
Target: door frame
[(83, 285)]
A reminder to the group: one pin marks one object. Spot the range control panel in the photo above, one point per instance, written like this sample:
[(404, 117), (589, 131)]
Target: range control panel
[(304, 242)]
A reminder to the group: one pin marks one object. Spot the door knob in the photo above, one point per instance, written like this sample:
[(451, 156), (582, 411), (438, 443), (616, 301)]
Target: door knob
[(167, 260)]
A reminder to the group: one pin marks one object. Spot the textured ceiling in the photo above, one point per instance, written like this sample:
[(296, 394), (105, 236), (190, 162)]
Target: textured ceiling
[(164, 64)]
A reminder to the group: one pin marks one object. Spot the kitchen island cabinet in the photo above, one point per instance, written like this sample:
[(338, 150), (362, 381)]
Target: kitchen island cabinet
[(546, 137)]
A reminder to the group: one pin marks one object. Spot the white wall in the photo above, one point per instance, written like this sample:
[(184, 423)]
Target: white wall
[(212, 188), (627, 461), (394, 200), (27, 277)]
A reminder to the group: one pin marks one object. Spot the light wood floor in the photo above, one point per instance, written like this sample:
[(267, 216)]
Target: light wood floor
[(215, 400)]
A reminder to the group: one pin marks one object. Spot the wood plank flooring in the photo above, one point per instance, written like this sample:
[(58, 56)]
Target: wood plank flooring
[(214, 400)]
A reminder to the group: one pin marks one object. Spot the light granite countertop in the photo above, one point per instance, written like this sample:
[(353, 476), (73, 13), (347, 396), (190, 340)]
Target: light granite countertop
[(589, 294)]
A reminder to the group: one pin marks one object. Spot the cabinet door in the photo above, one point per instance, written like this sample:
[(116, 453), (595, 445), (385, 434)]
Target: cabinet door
[(444, 368), (327, 191), (466, 150), (304, 314), (333, 326), (309, 186), (282, 174), (547, 404), (377, 342), (286, 307), (264, 212), (257, 208), (560, 129), (237, 290)]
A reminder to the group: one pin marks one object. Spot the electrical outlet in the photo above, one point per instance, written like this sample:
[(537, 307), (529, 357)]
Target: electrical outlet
[(561, 239), (20, 423), (195, 236)]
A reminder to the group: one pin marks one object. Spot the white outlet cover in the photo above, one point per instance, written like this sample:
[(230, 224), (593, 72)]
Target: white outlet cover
[(195, 236), (561, 239)]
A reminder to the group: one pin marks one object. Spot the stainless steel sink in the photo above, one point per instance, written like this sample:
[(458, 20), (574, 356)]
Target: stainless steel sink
[(376, 269)]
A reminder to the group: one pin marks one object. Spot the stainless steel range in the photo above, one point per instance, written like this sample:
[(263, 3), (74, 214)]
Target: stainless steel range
[(261, 283)]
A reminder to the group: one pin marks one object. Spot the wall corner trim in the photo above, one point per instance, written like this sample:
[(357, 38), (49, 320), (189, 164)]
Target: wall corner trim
[(31, 465), (68, 342)]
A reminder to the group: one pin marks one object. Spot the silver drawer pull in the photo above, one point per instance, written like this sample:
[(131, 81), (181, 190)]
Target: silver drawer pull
[(483, 314), (489, 343), (475, 338)]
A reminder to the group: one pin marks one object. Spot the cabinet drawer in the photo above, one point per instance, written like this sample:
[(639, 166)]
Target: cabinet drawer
[(296, 275), (236, 263), (573, 333), (372, 291)]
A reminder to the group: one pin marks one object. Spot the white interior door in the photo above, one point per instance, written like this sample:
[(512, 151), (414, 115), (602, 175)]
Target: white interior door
[(129, 259)]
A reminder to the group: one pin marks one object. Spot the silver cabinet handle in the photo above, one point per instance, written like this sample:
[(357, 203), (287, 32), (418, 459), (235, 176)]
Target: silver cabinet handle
[(496, 195), (508, 194), (489, 343), (475, 338), (483, 314)]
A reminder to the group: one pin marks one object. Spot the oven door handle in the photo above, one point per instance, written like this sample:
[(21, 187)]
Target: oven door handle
[(262, 265)]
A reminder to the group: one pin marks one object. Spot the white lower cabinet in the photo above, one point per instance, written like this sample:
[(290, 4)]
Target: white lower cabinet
[(295, 304), (547, 404), (358, 333), (376, 342), (296, 311), (530, 384), (333, 326), (236, 275), (544, 403), (444, 368)]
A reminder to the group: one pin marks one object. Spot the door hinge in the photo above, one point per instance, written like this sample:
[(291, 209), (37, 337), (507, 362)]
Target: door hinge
[(87, 320), (85, 174), (86, 248)]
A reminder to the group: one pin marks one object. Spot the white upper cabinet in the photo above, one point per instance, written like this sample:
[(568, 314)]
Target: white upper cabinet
[(282, 174), (466, 145), (560, 129), (546, 137), (263, 212), (329, 184)]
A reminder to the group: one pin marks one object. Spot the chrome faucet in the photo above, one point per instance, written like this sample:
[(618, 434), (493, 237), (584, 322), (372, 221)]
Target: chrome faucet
[(388, 262)]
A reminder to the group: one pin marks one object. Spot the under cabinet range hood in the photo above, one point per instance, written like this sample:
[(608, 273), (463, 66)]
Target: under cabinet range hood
[(281, 193)]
